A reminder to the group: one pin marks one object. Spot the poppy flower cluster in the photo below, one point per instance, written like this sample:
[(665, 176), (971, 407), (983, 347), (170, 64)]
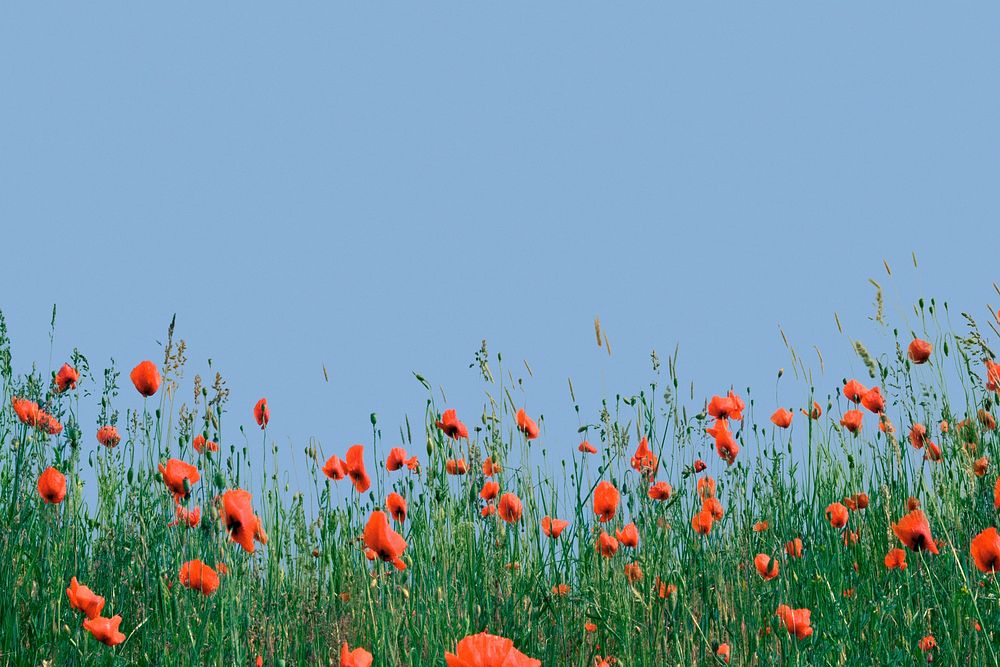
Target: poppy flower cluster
[(30, 414), (352, 465), (723, 409), (104, 630)]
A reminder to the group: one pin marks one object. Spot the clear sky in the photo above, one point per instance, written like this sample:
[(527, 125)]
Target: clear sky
[(377, 187)]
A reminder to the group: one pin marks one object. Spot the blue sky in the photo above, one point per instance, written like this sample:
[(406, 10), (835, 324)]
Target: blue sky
[(378, 187)]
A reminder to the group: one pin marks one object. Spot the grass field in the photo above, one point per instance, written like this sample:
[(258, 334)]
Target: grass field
[(701, 529)]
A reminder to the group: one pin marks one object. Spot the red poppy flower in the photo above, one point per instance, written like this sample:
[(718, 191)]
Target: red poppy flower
[(988, 421), (354, 465), (815, 413), (412, 464), (590, 627), (486, 650), (606, 498), (862, 500), (766, 566), (243, 525), (713, 506), (706, 487), (108, 436), (796, 620), (200, 444), (914, 531), (451, 426), (918, 435), (794, 548), (722, 653), (587, 448), (356, 658), (912, 504), (334, 468), (992, 376), (490, 468), (146, 378), (179, 477), (644, 461), (730, 407), (510, 508), (526, 425), (489, 510), (659, 491), (607, 546), (873, 400), (490, 490), (84, 599), (663, 589), (105, 630), (725, 444), (760, 527), (851, 503), (896, 558), (628, 536), (699, 465), (919, 351), (553, 527), (836, 514), (396, 505), (396, 459), (66, 378), (782, 418), (702, 522), (928, 643), (189, 518), (456, 466), (48, 423), (980, 466), (52, 486), (633, 572), (852, 421), (854, 390), (27, 411), (561, 590), (262, 413), (199, 577), (387, 544), (985, 550)]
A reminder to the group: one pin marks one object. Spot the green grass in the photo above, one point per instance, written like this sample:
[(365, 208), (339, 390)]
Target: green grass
[(295, 600)]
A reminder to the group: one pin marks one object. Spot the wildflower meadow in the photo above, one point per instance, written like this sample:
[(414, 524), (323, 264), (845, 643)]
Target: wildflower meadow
[(851, 523)]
